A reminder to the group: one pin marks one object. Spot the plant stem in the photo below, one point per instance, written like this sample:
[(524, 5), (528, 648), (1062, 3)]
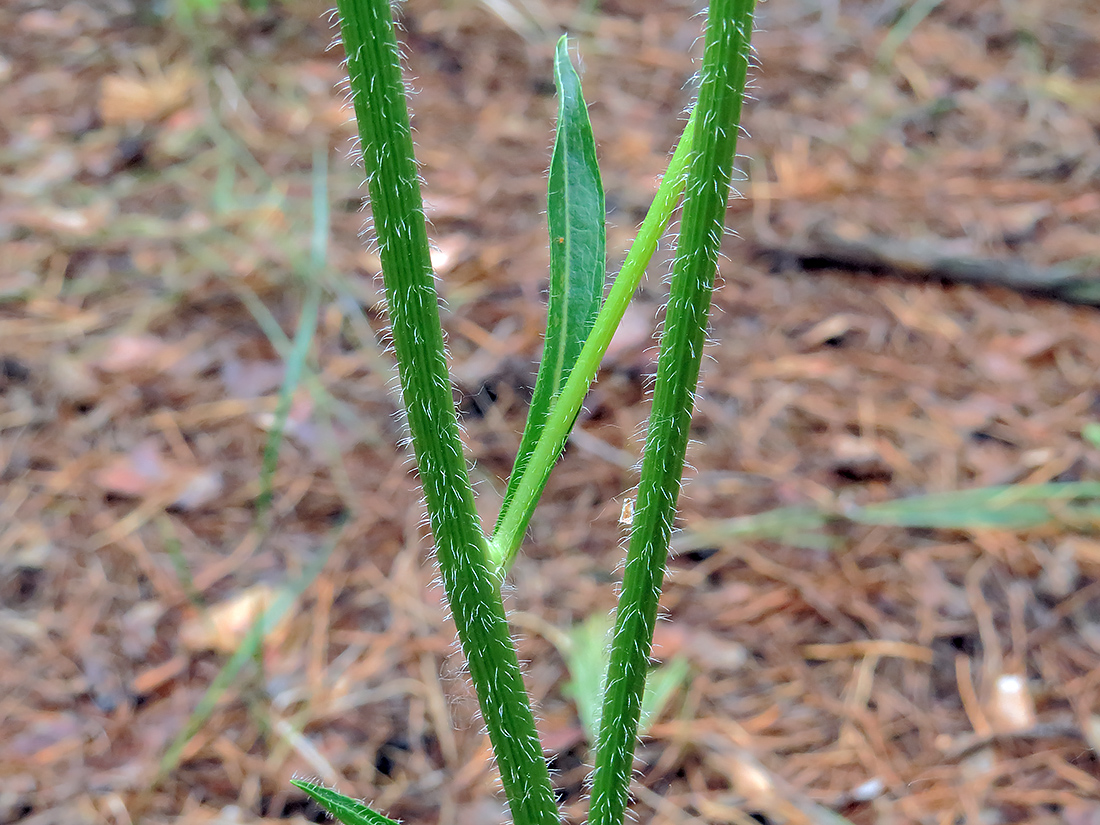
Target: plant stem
[(378, 94), (725, 65), (509, 534)]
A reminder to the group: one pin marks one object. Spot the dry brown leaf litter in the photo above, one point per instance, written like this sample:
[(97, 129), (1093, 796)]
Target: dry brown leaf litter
[(911, 677)]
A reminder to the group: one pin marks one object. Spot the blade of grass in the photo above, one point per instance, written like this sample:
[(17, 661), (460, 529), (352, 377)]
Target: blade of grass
[(575, 216), (473, 591), (173, 547), (509, 533), (327, 408), (249, 649), (313, 268), (902, 30), (303, 338), (1007, 507), (1003, 507), (724, 70), (780, 524)]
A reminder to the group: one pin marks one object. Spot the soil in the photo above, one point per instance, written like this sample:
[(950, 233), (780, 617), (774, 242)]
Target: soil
[(158, 174)]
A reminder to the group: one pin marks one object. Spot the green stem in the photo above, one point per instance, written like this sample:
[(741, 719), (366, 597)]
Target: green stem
[(725, 64), (509, 534), (378, 94)]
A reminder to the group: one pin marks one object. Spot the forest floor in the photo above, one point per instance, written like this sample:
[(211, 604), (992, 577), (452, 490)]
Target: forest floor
[(157, 181)]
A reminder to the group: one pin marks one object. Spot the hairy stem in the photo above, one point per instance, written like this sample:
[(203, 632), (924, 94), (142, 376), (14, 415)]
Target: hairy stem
[(378, 94), (725, 64)]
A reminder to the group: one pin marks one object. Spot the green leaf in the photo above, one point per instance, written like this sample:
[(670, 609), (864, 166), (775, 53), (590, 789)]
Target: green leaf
[(783, 524), (1004, 507), (343, 808), (587, 661), (1091, 433), (586, 658), (575, 214), (509, 531), (1007, 507), (660, 685)]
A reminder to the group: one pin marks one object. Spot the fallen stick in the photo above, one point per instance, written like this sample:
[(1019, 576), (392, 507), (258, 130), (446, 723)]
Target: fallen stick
[(1075, 282)]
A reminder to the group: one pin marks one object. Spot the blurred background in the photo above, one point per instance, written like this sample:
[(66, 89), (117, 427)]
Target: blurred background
[(204, 592)]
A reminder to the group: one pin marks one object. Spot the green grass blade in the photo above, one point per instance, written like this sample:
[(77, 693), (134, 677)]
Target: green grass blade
[(473, 589), (303, 338), (575, 215), (782, 524), (249, 649), (902, 30), (343, 808), (1003, 507), (509, 533), (174, 548), (1007, 507), (724, 70), (1090, 433)]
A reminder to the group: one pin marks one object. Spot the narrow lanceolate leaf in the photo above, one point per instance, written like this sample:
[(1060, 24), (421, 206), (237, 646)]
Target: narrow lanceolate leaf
[(473, 590), (725, 63), (575, 212), (343, 808), (509, 533)]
